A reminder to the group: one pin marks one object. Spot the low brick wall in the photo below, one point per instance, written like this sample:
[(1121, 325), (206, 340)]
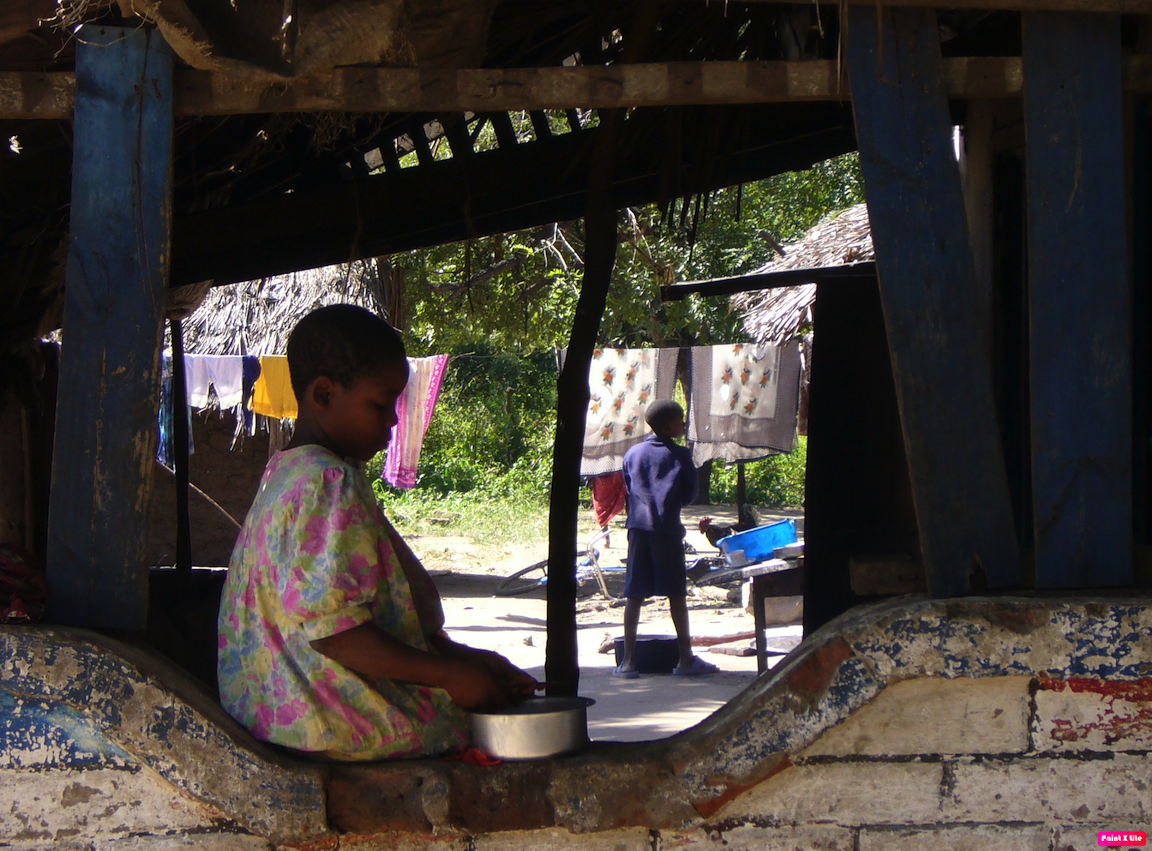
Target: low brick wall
[(969, 724)]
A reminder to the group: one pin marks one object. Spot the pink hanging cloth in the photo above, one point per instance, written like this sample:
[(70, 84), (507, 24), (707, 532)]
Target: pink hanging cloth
[(414, 412)]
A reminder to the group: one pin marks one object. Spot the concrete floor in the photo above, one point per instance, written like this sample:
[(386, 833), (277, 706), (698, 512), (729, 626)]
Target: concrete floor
[(650, 707)]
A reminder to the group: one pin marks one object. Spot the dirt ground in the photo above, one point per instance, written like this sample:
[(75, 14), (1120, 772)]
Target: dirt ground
[(652, 706)]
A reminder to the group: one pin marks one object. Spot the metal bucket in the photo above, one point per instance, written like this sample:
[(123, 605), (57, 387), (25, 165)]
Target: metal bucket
[(538, 728)]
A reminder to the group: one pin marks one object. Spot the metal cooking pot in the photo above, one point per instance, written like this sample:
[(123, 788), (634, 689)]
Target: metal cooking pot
[(538, 728)]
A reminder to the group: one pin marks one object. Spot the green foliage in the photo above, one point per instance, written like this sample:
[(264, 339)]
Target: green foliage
[(777, 482), (518, 291), (491, 433)]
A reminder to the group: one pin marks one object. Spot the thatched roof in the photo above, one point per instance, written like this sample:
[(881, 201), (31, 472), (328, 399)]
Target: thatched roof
[(775, 316), (255, 317)]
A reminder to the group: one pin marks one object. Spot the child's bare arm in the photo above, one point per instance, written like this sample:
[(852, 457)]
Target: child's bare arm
[(369, 650), (508, 675)]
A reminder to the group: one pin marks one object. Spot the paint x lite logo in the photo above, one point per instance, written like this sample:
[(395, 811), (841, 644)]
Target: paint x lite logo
[(1122, 838)]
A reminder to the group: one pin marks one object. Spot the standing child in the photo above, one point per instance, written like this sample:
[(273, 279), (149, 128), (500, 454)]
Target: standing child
[(659, 478), (330, 630)]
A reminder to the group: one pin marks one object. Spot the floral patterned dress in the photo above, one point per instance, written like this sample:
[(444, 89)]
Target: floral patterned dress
[(317, 557)]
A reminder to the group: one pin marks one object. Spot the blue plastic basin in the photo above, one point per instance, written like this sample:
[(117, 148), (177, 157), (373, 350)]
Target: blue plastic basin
[(759, 543)]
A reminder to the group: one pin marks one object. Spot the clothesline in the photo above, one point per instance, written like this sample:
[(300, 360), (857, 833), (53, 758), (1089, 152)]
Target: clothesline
[(262, 385), (742, 401)]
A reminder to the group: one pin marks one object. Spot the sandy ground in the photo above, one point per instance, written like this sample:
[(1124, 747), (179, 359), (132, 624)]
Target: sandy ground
[(652, 706)]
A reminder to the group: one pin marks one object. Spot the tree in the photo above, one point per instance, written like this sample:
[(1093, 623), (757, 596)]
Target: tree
[(517, 292)]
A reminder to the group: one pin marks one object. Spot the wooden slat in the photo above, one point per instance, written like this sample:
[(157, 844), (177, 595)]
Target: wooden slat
[(533, 185), (25, 95), (1079, 302), (105, 444), (928, 288)]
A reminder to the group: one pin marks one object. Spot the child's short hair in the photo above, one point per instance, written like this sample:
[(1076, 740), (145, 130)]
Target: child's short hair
[(662, 412), (342, 342)]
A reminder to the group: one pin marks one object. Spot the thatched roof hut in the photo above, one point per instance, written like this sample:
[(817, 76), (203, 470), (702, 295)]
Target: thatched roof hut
[(775, 316), (255, 317)]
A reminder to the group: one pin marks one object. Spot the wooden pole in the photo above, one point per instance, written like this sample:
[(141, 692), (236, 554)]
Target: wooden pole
[(741, 490), (116, 285), (1080, 310), (929, 292), (180, 453), (562, 668)]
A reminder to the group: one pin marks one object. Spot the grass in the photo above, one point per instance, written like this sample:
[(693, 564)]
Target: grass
[(515, 521)]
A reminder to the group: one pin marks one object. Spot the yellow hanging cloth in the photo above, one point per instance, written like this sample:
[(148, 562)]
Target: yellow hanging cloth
[(272, 393)]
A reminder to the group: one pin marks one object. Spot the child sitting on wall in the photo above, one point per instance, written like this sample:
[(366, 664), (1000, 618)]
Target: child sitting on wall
[(330, 629)]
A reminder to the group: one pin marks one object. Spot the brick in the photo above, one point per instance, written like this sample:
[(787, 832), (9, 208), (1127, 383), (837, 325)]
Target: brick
[(631, 839), (845, 794), (1093, 716), (980, 837), (1072, 790), (49, 805), (392, 841), (749, 837), (935, 716), (196, 842)]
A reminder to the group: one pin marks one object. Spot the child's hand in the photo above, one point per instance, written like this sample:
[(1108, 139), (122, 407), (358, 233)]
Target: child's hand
[(474, 687), (514, 684), (518, 684)]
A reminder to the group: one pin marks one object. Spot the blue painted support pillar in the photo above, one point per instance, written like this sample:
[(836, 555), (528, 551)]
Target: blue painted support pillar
[(116, 282), (928, 287), (1079, 301)]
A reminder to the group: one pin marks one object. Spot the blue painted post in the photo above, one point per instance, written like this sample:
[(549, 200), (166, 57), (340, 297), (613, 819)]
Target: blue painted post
[(1079, 301), (116, 282), (929, 292)]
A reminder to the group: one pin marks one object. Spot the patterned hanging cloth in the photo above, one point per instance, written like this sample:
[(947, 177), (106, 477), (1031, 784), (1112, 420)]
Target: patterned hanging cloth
[(621, 384), (743, 402)]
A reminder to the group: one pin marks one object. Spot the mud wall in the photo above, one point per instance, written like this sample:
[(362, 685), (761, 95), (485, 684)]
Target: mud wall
[(229, 475)]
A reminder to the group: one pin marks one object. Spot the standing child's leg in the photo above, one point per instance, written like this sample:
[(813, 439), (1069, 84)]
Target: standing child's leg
[(678, 608), (637, 586), (631, 626), (690, 666)]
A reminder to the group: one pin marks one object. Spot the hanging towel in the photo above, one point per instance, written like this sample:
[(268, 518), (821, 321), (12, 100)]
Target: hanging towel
[(251, 370), (225, 373), (607, 496), (165, 413), (272, 393), (621, 384), (743, 401), (414, 412)]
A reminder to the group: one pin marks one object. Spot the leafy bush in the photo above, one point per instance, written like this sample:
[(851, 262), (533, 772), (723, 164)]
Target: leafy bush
[(777, 482), (492, 430)]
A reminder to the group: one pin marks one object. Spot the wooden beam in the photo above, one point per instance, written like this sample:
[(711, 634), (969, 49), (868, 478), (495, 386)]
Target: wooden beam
[(28, 94), (1079, 303), (768, 280), (928, 288), (31, 95), (116, 280)]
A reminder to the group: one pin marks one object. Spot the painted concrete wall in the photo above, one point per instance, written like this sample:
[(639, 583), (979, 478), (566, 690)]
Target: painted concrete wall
[(969, 724)]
